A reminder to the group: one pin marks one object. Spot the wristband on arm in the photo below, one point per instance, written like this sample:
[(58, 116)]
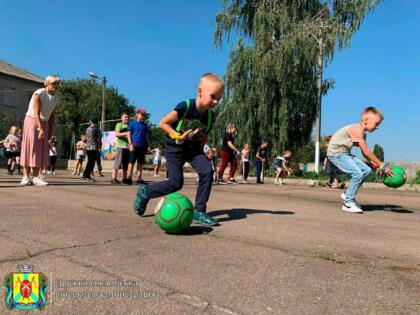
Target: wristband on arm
[(384, 166), (176, 136)]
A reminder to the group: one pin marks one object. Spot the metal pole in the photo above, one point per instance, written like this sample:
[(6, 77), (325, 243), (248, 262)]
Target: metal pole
[(103, 103), (318, 110)]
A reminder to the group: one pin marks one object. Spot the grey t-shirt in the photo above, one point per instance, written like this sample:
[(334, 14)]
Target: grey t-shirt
[(344, 139)]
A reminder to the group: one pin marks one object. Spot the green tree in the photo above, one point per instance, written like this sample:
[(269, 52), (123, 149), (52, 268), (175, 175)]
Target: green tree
[(156, 136), (274, 68), (379, 152), (81, 98)]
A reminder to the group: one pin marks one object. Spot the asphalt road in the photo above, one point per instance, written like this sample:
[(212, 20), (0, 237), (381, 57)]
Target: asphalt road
[(278, 250)]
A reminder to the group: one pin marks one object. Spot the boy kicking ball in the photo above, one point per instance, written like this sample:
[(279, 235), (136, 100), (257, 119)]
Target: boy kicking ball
[(187, 146), (339, 154)]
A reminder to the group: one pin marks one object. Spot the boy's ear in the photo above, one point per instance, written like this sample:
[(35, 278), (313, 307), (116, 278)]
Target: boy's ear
[(199, 90)]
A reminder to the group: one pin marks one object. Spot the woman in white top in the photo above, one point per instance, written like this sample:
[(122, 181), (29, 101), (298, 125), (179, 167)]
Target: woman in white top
[(37, 129)]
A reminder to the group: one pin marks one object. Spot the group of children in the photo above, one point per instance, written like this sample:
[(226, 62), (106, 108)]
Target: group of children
[(132, 146), (12, 145), (183, 147), (187, 146)]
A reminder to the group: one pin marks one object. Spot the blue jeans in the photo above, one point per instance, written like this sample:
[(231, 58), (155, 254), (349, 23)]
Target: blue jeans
[(356, 168)]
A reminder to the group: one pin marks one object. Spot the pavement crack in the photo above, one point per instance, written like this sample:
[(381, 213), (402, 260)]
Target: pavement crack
[(53, 249)]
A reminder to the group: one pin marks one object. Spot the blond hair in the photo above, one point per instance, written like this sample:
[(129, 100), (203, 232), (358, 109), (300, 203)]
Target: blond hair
[(213, 78), (373, 110), (51, 79), (13, 129)]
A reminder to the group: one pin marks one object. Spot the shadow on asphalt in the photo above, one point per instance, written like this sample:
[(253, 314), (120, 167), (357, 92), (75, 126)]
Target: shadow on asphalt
[(196, 230), (392, 208), (240, 213)]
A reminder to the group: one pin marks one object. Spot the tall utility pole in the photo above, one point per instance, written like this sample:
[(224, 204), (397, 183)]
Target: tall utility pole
[(103, 103), (319, 99), (103, 81), (317, 28)]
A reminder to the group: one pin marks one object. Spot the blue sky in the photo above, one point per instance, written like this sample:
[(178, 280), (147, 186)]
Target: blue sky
[(154, 52)]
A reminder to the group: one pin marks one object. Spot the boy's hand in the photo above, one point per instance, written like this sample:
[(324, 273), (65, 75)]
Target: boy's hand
[(385, 169), (131, 147), (189, 134)]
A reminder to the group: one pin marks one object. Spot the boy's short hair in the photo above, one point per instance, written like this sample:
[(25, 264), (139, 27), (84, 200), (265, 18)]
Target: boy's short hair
[(374, 110), (214, 78), (287, 152), (123, 113), (231, 125)]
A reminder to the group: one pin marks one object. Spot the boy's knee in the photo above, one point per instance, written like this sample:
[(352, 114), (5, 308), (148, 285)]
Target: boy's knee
[(366, 172), (207, 173), (359, 175), (175, 184)]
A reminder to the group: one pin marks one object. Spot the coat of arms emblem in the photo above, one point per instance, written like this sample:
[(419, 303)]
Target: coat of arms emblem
[(26, 290)]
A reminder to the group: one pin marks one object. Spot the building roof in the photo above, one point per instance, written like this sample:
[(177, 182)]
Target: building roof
[(11, 70)]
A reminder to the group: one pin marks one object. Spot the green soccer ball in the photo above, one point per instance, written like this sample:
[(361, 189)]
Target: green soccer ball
[(174, 213), (397, 180)]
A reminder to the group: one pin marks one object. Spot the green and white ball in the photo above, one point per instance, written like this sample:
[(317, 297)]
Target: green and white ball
[(399, 178), (174, 213)]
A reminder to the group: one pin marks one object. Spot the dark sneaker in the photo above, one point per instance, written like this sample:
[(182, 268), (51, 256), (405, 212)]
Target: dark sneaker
[(221, 182), (89, 180), (142, 198), (141, 182), (204, 219), (115, 181), (259, 182), (19, 172), (126, 181), (232, 181), (100, 174)]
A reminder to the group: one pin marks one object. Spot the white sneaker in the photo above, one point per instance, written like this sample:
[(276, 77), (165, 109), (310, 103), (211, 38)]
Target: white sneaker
[(276, 181), (280, 182), (343, 197), (244, 182), (351, 207), (53, 172), (49, 172), (74, 173), (39, 182), (25, 181)]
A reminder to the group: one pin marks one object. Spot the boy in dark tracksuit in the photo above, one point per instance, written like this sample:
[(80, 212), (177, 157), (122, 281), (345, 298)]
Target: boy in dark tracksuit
[(187, 146), (260, 158)]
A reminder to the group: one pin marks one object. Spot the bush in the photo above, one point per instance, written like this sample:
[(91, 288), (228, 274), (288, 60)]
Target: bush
[(417, 179)]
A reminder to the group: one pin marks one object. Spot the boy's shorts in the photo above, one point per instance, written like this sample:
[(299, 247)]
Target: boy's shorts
[(121, 159), (11, 155), (157, 162), (138, 155), (80, 157), (277, 167)]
